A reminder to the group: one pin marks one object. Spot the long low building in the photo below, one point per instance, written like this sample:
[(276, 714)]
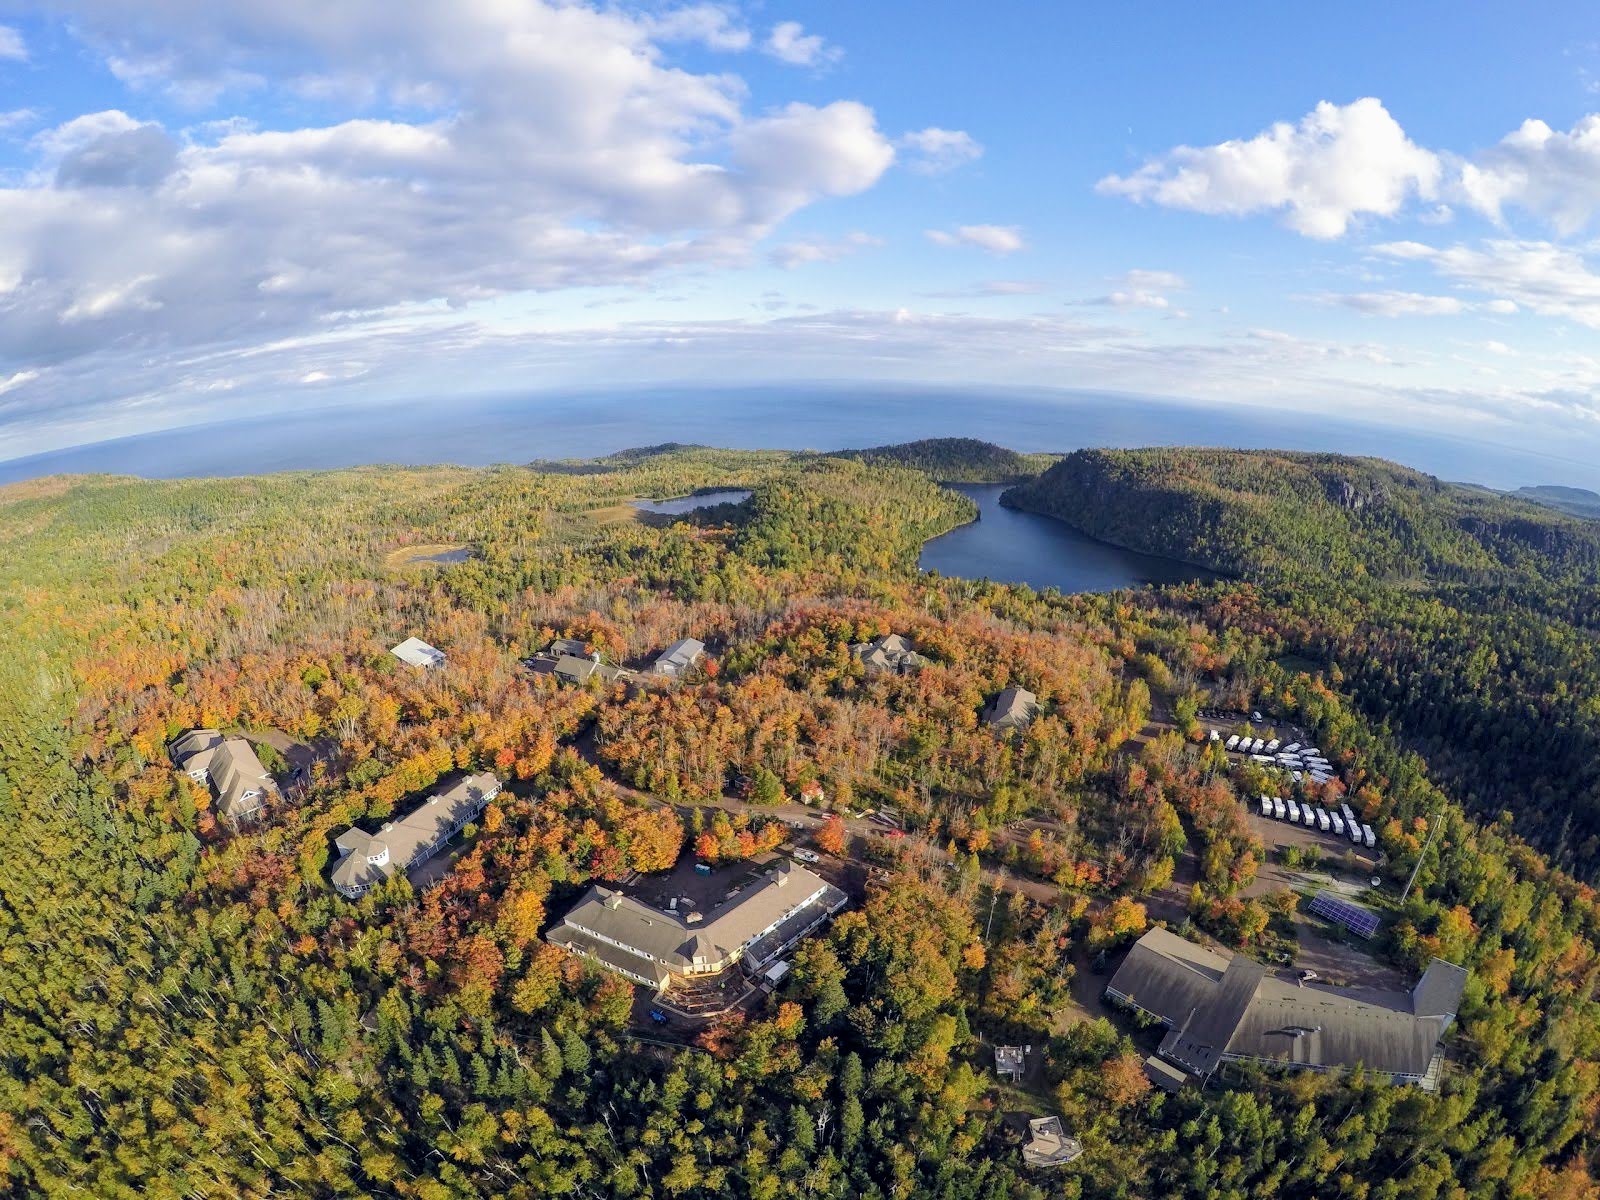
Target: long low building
[(367, 859), (653, 947), (229, 766), (1221, 1009)]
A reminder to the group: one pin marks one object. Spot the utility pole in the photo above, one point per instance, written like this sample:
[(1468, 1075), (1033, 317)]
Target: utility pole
[(1433, 828), (994, 895)]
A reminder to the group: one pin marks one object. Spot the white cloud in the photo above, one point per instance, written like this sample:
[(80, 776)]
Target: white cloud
[(1551, 174), (1337, 164), (996, 239), (1500, 348), (12, 47), (990, 288), (1396, 304), (16, 117), (1166, 281), (564, 151), (933, 151), (789, 42), (1545, 278), (15, 380), (820, 250), (714, 26), (1405, 250), (1143, 289)]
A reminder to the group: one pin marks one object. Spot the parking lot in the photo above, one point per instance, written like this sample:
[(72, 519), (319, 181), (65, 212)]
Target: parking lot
[(696, 891), (1274, 833)]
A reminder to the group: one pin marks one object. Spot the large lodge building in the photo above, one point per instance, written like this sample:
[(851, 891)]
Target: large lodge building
[(656, 947), (1230, 1009)]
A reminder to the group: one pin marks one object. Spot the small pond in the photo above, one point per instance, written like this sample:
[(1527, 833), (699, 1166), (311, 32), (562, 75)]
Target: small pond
[(684, 504)]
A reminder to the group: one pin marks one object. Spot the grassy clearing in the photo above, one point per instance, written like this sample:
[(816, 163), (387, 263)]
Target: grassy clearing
[(410, 556)]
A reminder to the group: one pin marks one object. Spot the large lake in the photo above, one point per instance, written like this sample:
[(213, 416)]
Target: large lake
[(1011, 546), (811, 416)]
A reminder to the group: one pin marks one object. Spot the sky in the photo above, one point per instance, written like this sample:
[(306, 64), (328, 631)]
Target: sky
[(228, 208)]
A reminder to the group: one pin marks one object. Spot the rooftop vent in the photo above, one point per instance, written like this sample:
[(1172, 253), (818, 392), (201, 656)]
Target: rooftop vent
[(613, 900)]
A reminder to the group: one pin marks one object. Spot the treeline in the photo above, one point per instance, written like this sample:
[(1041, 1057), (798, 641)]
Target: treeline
[(956, 460)]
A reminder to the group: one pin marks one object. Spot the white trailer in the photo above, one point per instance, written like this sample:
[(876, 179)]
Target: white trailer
[(1368, 836), (1310, 815), (1216, 736), (1338, 823), (1322, 820), (1355, 832), (1258, 746), (1266, 806), (1294, 813), (1233, 742), (1272, 746), (1292, 748), (1277, 807), (1349, 816)]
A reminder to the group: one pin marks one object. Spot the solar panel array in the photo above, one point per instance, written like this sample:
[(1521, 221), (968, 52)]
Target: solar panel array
[(1362, 922)]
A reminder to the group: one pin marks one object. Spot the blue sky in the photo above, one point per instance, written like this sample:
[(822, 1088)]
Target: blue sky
[(219, 209)]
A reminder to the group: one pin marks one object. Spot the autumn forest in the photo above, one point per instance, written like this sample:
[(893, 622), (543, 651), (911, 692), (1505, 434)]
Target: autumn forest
[(189, 1010)]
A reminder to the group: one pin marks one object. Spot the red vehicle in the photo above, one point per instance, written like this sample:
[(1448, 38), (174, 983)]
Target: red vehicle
[(894, 833)]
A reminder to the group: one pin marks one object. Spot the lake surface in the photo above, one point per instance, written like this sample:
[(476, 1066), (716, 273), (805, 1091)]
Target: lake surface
[(822, 416), (683, 504), (1011, 546)]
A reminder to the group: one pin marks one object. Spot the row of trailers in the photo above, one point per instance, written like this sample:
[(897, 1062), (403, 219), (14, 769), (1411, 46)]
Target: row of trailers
[(1302, 762), (1313, 816)]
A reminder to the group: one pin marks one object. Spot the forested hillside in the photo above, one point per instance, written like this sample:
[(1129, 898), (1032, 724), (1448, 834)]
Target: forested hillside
[(188, 1012), (1268, 514), (1469, 621), (1577, 502), (956, 460)]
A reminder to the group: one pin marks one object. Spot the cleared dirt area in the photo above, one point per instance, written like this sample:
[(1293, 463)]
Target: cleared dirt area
[(1340, 961), (1275, 834)]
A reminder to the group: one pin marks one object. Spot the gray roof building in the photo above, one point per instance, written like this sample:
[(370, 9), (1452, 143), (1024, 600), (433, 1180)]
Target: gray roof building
[(1220, 1009), (417, 653), (1048, 1144), (567, 661), (230, 768), (367, 859), (652, 946), (1012, 709), (678, 658), (892, 652), (571, 669)]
